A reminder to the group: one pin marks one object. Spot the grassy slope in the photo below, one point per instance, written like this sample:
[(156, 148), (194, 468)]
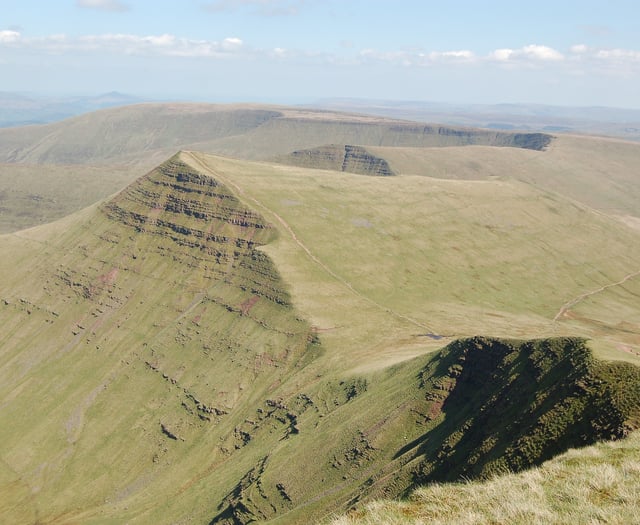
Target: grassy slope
[(131, 320), (36, 194), (599, 172), (458, 257), (128, 132), (118, 318)]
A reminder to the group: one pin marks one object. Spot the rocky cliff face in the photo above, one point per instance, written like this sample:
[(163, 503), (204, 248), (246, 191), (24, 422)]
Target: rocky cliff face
[(206, 224), (347, 158)]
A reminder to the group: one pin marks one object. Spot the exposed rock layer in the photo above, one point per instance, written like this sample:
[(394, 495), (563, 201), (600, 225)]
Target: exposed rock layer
[(352, 159)]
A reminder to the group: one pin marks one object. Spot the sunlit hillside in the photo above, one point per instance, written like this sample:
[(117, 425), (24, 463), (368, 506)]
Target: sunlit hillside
[(199, 337)]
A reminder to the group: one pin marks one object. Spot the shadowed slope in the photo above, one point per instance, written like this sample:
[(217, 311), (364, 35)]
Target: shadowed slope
[(478, 406), (510, 405), (598, 484)]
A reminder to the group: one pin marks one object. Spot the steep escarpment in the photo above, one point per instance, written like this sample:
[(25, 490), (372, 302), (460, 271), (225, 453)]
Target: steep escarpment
[(509, 405), (155, 329), (477, 407), (298, 133), (352, 159), (241, 309), (193, 211)]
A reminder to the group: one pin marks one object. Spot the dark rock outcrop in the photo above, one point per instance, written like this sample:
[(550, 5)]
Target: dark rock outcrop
[(347, 158)]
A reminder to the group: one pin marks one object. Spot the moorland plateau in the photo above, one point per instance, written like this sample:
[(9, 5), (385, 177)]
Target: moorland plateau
[(227, 314)]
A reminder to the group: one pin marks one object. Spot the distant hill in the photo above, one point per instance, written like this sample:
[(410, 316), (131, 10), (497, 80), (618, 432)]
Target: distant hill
[(48, 171), (619, 122), (243, 131), (41, 172), (17, 109)]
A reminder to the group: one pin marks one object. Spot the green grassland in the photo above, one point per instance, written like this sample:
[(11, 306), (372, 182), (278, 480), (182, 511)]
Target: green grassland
[(448, 257), (227, 341), (598, 172), (34, 194)]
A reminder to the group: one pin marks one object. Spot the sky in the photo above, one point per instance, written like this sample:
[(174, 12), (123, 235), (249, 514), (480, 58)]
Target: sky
[(561, 52)]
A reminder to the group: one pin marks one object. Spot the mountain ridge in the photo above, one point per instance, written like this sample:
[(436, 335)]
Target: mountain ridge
[(82, 139), (164, 321)]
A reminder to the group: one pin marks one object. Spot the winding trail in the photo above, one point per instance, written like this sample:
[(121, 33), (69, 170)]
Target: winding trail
[(203, 166), (567, 306)]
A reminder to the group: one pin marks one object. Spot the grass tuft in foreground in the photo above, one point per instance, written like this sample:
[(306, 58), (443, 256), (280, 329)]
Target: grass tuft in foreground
[(597, 484)]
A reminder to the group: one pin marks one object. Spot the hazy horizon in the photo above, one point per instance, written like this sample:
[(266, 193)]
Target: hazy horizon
[(142, 97), (296, 51)]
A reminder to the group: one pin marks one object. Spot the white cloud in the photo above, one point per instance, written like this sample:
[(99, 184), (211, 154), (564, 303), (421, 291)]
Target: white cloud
[(528, 54), (578, 49), (161, 40), (531, 55), (232, 44), (126, 44), (403, 58), (579, 58), (501, 55), (103, 5), (618, 55), (9, 37), (605, 61), (461, 55), (542, 53)]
